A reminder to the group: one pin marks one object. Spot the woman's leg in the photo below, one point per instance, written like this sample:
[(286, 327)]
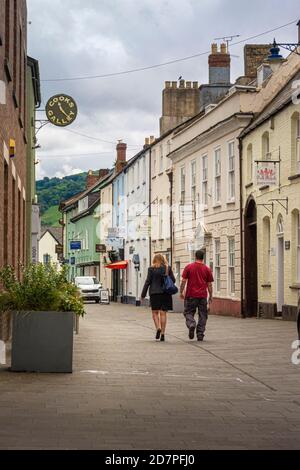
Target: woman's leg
[(163, 322), (155, 316)]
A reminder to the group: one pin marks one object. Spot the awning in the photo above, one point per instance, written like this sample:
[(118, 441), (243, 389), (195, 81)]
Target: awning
[(118, 265)]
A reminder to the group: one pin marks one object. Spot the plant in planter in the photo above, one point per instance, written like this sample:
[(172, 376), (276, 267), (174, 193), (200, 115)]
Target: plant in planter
[(42, 305)]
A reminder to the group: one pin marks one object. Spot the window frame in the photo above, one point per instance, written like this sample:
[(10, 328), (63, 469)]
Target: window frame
[(217, 177), (231, 172), (217, 264), (204, 173), (231, 266)]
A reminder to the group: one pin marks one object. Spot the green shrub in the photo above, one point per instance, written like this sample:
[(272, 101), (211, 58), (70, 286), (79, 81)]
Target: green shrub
[(42, 288)]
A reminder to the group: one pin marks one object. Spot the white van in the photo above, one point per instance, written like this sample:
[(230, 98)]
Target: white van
[(89, 287)]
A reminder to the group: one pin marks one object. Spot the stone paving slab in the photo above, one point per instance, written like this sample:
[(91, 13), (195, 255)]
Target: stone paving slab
[(237, 390)]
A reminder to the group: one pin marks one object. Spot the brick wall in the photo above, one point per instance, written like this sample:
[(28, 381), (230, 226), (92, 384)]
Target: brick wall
[(13, 33), (254, 56)]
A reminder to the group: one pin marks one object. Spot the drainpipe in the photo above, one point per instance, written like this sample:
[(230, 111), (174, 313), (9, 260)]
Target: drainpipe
[(150, 208), (241, 226), (170, 175)]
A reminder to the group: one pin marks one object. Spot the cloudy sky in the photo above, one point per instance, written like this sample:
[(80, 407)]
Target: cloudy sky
[(80, 38)]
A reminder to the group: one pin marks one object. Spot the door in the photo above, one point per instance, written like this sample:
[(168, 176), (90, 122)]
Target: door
[(280, 273), (251, 278)]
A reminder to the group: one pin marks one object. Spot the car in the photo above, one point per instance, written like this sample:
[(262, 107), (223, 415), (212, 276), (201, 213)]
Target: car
[(89, 287)]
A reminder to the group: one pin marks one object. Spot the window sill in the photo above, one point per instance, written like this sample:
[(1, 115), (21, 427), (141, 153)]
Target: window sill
[(249, 185), (217, 206), (295, 286), (262, 188), (144, 183), (230, 202), (161, 173), (266, 286), (138, 188), (154, 177), (294, 177)]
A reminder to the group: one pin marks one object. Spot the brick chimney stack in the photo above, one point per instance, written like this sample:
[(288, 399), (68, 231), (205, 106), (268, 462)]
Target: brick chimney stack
[(219, 65), (93, 178), (254, 56), (121, 156)]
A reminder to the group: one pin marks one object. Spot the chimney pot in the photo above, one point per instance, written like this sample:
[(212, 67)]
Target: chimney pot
[(167, 84), (214, 48), (195, 84), (189, 84), (182, 84), (223, 48), (174, 84)]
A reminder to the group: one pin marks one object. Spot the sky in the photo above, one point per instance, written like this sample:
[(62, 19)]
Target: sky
[(81, 38)]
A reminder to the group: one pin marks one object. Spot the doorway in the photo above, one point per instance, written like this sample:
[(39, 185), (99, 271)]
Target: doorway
[(251, 278), (280, 265)]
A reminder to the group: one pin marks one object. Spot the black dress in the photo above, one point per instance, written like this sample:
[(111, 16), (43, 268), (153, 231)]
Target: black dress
[(154, 282)]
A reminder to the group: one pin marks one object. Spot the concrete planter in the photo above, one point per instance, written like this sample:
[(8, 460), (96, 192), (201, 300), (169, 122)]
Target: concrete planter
[(42, 342)]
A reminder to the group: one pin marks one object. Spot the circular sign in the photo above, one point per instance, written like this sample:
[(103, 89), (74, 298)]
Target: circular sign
[(61, 110)]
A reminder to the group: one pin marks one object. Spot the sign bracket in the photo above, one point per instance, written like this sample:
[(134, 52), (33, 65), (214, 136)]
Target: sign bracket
[(267, 206), (284, 203)]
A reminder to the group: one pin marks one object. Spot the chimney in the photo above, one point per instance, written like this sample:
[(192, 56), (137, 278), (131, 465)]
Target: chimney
[(219, 77), (254, 56), (93, 178), (121, 151), (180, 102), (219, 65), (103, 173), (121, 157), (147, 142)]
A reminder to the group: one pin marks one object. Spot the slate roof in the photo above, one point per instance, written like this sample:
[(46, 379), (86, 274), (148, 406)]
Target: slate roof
[(56, 233), (282, 99)]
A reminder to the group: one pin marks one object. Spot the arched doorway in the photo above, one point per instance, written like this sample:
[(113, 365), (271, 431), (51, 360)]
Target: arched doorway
[(280, 264), (251, 291)]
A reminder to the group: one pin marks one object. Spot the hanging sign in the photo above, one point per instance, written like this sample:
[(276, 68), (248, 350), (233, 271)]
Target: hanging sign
[(61, 110), (267, 174)]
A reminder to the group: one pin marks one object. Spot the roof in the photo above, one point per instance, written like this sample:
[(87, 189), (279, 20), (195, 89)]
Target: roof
[(282, 99), (56, 233), (94, 200), (68, 203)]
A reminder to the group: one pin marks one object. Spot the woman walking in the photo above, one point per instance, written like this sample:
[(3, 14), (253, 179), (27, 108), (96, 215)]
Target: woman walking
[(160, 301)]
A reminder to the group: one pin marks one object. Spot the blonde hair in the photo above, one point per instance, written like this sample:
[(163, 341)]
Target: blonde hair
[(159, 260)]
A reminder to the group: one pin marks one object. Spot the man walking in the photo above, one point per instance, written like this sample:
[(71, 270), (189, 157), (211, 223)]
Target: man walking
[(197, 280)]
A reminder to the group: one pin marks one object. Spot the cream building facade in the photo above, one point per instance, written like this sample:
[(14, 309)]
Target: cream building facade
[(206, 193), (271, 213), (105, 217)]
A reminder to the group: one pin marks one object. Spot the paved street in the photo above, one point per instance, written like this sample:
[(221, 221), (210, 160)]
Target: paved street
[(237, 390)]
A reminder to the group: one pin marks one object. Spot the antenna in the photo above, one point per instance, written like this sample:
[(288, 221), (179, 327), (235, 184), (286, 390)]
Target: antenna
[(228, 39)]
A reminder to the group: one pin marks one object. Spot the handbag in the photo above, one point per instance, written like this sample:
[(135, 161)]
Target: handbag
[(168, 285)]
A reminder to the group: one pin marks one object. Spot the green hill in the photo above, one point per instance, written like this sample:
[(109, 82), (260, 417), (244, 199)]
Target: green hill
[(51, 191), (51, 217)]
